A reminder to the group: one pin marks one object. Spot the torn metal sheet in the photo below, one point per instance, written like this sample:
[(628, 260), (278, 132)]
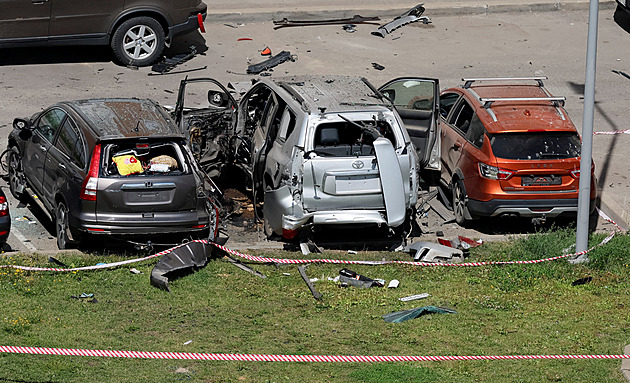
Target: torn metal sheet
[(433, 252), (188, 256), (316, 294), (270, 62), (168, 64), (411, 16), (405, 315), (356, 19)]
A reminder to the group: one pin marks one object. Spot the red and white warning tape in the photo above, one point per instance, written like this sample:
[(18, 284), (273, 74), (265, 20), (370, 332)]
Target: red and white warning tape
[(625, 131), (285, 358), (254, 258)]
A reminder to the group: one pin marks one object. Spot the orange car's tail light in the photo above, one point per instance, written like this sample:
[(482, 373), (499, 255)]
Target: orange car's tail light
[(494, 173)]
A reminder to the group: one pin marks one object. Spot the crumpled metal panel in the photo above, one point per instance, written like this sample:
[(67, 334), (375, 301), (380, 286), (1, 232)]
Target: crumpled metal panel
[(190, 255)]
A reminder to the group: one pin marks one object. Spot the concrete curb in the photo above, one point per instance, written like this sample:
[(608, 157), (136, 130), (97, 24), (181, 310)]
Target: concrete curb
[(625, 364), (306, 12)]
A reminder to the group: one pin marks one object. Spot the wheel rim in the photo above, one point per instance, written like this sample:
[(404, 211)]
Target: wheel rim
[(14, 177), (140, 42), (62, 225), (458, 202)]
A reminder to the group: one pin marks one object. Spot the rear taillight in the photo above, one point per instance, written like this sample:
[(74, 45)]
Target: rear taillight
[(576, 173), (494, 173), (90, 183), (4, 207), (289, 233)]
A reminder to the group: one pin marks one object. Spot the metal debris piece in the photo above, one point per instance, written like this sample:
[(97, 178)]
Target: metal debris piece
[(405, 315), (188, 256), (414, 297), (349, 277), (624, 74), (394, 283), (266, 52), (356, 19), (302, 269), (350, 28), (168, 64), (411, 16), (308, 247), (270, 62), (243, 266), (435, 253)]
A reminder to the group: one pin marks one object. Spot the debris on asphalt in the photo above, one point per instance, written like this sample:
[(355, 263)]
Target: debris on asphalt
[(411, 16), (302, 269), (349, 277), (356, 19), (433, 252), (266, 52), (405, 315), (624, 74), (271, 62), (245, 39), (350, 28), (168, 64), (377, 66), (414, 297)]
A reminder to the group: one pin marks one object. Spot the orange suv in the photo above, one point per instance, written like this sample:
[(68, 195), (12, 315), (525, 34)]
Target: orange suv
[(509, 148)]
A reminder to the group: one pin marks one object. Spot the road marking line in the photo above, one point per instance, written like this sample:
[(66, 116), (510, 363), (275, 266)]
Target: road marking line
[(21, 238)]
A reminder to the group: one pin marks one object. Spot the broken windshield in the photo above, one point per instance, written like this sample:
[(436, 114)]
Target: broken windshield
[(536, 145)]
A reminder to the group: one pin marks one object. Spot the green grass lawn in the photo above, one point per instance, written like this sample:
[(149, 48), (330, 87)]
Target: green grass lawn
[(517, 309)]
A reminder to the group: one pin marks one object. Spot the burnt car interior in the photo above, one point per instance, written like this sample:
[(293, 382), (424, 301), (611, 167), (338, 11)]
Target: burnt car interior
[(131, 158), (345, 139)]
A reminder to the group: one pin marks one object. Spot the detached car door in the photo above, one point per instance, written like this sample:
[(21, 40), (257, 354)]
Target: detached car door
[(417, 101), (24, 19)]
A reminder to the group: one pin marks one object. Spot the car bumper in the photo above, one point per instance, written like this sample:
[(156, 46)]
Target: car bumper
[(189, 25), (524, 207), (137, 224)]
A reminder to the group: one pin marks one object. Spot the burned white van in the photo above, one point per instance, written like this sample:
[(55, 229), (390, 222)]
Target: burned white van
[(321, 150)]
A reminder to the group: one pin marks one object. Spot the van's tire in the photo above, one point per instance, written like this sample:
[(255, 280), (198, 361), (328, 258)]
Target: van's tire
[(64, 240), (17, 181), (138, 41)]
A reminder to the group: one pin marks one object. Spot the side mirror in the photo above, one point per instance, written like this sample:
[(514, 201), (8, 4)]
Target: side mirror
[(217, 99), (21, 124)]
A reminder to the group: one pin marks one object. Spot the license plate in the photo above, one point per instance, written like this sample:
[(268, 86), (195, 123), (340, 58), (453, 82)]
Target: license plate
[(549, 180)]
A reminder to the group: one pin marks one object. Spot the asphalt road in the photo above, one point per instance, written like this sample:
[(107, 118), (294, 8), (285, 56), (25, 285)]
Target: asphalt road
[(495, 45)]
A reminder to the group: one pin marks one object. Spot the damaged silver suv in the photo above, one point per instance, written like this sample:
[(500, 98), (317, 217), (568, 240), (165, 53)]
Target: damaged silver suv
[(319, 150)]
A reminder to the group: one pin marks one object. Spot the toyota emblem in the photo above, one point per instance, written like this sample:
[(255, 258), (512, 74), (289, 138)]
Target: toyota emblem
[(357, 164)]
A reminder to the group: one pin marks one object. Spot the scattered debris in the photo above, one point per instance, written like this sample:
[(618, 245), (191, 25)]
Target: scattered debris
[(377, 66), (353, 252), (462, 243), (349, 277), (433, 252), (439, 233), (302, 269), (393, 284), (308, 247), (271, 62), (411, 16), (405, 315), (624, 74), (356, 19), (187, 342), (57, 262), (243, 266), (245, 39), (350, 28), (168, 64), (230, 25), (266, 52), (135, 271), (188, 256), (582, 281), (414, 297)]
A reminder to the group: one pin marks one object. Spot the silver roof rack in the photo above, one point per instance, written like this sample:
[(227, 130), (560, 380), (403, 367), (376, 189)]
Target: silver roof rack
[(557, 101), (468, 81)]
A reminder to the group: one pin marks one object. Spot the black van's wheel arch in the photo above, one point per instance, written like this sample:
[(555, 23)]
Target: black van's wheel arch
[(138, 41)]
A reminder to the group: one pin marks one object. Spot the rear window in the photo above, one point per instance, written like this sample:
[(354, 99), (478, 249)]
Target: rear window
[(132, 159), (535, 146), (349, 139)]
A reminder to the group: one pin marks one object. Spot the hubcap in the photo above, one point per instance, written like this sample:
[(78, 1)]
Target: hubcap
[(140, 42)]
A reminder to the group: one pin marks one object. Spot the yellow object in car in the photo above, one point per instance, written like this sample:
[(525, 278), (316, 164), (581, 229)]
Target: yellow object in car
[(128, 164)]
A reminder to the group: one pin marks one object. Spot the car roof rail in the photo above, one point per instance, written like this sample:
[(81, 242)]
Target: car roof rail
[(296, 96), (557, 101), (539, 79)]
